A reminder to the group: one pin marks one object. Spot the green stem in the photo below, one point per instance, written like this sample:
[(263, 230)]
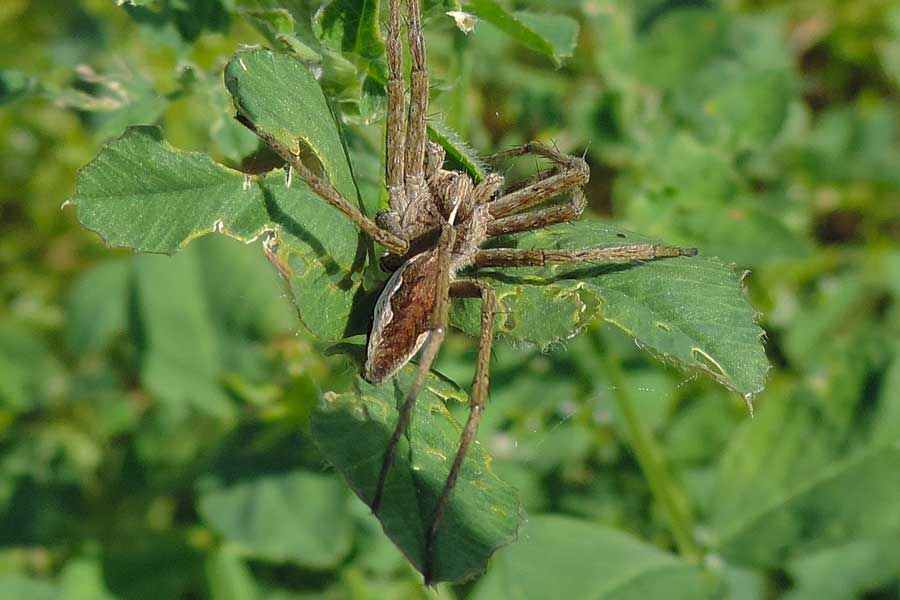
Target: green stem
[(653, 465)]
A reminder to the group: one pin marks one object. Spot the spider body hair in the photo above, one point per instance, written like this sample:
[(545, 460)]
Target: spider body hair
[(447, 199)]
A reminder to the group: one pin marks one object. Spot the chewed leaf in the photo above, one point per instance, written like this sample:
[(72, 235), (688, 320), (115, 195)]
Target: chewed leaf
[(687, 310), (143, 194), (280, 96), (352, 431)]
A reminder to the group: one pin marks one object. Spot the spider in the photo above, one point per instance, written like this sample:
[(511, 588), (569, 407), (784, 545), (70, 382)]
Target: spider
[(435, 227)]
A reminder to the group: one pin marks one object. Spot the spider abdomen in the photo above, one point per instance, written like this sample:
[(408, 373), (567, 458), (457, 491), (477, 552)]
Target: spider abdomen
[(402, 314)]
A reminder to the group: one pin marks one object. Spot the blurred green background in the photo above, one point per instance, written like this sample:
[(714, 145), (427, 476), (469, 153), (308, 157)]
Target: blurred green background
[(153, 409)]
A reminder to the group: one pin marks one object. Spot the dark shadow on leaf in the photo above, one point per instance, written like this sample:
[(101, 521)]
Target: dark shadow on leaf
[(355, 353), (510, 277), (591, 272), (292, 226), (362, 306), (190, 23)]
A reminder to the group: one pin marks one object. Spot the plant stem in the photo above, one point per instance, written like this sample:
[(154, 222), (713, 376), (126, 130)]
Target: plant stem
[(653, 465)]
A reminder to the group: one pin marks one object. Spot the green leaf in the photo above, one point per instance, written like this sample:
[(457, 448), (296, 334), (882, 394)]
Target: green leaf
[(114, 99), (352, 431), (845, 572), (752, 110), (830, 501), (688, 310), (177, 22), (690, 193), (244, 297), (561, 557), (143, 194), (270, 22), (350, 26), (180, 354), (780, 446), (746, 109), (784, 489), (277, 25), (297, 517), (198, 317), (560, 31), (153, 565), (457, 148), (280, 96), (675, 46), (96, 307), (552, 35)]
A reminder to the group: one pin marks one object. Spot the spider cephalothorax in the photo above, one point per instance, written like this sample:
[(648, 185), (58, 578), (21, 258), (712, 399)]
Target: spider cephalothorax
[(447, 200), (436, 225)]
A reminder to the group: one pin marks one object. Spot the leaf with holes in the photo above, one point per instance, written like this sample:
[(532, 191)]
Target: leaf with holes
[(352, 431), (142, 193), (688, 310), (279, 95)]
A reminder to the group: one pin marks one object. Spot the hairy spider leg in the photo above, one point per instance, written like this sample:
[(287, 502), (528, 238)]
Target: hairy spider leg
[(520, 257), (510, 215), (466, 289), (329, 193), (572, 173), (440, 315), (537, 219), (395, 130), (418, 99)]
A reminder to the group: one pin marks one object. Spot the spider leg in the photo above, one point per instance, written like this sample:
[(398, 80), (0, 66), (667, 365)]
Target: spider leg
[(517, 257), (395, 132), (418, 98), (468, 288), (539, 176), (486, 188), (440, 315), (329, 193), (539, 218), (572, 172)]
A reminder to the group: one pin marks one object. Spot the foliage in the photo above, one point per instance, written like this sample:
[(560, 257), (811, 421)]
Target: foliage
[(161, 418)]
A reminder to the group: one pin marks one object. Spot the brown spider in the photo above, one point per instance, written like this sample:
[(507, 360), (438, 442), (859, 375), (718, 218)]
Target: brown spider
[(435, 227)]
